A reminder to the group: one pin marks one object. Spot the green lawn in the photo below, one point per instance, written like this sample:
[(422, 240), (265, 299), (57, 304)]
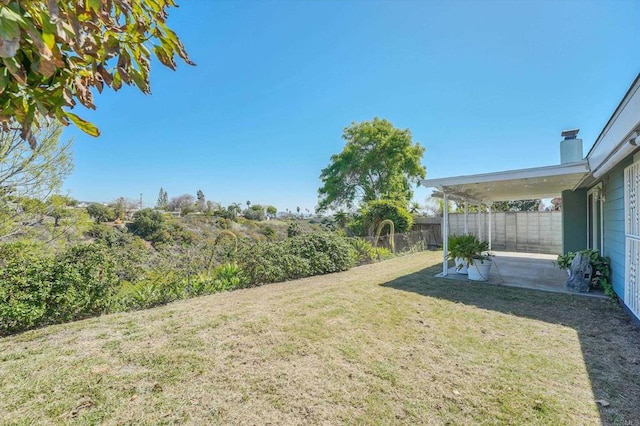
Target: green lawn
[(380, 344)]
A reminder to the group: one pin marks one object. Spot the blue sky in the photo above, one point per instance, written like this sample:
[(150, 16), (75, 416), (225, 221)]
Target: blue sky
[(484, 86)]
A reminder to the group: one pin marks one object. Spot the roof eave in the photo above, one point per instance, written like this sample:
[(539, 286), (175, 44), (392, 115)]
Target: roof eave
[(535, 172)]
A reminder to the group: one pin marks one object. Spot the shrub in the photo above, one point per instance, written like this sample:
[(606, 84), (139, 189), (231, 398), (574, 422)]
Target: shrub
[(294, 229), (366, 253), (297, 257), (355, 227), (269, 232), (25, 286), (178, 233), (364, 250), (255, 212), (129, 252), (149, 224), (101, 213), (224, 277), (37, 288), (268, 262), (375, 212), (224, 223), (157, 288), (229, 276), (325, 252), (84, 283)]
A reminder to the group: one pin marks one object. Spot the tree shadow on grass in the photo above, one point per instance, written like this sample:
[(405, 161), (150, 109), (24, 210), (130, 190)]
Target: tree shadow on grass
[(610, 341)]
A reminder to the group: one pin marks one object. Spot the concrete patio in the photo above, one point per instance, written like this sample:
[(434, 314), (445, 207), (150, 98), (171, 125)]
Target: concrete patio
[(526, 270)]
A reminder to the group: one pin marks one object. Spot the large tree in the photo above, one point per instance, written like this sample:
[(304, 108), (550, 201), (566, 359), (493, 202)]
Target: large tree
[(163, 199), (184, 203), (30, 174), (516, 206), (377, 162), (54, 52)]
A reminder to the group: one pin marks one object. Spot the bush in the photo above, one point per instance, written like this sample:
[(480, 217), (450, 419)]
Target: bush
[(268, 262), (375, 212), (37, 288), (149, 224), (101, 213), (225, 277), (355, 227), (269, 232), (294, 229), (366, 253), (129, 252), (84, 283), (297, 257), (157, 288), (325, 252), (25, 286), (364, 250), (255, 212)]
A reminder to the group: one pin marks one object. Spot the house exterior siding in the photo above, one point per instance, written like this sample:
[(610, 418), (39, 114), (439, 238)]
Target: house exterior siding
[(614, 246), (574, 220)]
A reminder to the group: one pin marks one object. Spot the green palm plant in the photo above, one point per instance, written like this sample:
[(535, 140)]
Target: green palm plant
[(466, 247), (341, 218)]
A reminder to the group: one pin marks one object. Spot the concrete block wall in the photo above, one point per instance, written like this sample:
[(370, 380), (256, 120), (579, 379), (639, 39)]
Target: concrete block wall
[(531, 232)]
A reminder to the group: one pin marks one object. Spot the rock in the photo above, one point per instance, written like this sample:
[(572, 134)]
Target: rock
[(579, 274)]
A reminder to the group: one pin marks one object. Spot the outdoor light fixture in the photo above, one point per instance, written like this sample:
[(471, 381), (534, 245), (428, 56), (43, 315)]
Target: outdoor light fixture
[(633, 139)]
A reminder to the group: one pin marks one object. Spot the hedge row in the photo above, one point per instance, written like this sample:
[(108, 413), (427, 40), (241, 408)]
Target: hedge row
[(39, 288)]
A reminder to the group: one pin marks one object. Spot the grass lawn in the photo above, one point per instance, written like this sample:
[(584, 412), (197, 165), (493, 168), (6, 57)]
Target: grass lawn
[(381, 344)]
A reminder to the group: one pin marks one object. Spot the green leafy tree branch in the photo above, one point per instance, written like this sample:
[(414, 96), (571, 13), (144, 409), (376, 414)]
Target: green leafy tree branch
[(54, 52)]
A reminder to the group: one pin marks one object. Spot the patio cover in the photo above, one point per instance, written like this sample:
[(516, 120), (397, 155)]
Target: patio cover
[(523, 184), (510, 185)]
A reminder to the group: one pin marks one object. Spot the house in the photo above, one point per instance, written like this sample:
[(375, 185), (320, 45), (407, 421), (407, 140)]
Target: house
[(600, 194)]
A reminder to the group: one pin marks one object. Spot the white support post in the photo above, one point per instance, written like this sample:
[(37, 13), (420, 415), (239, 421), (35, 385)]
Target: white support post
[(479, 224), (445, 235), (466, 217), (490, 225)]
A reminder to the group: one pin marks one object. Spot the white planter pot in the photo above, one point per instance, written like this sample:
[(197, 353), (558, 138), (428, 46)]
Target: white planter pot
[(461, 265), (479, 270)]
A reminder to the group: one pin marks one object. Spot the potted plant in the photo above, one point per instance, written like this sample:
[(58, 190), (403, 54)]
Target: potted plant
[(474, 252), (457, 250)]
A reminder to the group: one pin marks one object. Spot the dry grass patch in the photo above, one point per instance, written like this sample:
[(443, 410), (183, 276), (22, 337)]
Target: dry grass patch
[(380, 344)]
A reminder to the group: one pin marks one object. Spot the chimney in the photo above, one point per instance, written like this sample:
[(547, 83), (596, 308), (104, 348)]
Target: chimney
[(570, 147)]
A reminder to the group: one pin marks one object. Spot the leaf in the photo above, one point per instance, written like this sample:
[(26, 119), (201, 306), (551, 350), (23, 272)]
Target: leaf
[(82, 124), (9, 28), (164, 58), (139, 80), (16, 70), (117, 82), (94, 5), (106, 76), (49, 39), (8, 14)]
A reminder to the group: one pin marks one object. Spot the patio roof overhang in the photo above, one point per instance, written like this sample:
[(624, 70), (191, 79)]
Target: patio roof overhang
[(522, 184)]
